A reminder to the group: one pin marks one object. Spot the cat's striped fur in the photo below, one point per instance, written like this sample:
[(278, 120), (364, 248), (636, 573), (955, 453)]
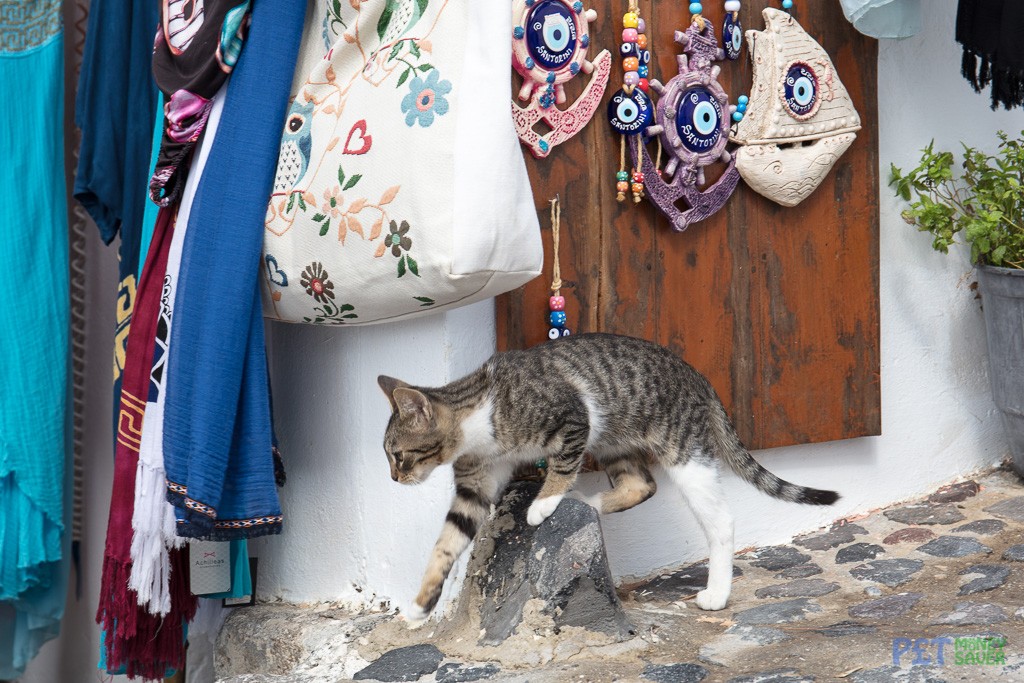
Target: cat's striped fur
[(627, 402)]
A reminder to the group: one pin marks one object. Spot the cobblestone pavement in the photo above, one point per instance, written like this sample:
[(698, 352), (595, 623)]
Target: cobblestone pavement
[(926, 592)]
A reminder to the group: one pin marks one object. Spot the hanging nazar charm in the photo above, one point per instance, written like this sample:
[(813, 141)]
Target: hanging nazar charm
[(630, 110), (550, 39), (692, 122)]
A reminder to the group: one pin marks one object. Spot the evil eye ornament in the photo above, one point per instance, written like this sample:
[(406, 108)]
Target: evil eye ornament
[(628, 50), (551, 34), (699, 120), (801, 90), (732, 37), (630, 114)]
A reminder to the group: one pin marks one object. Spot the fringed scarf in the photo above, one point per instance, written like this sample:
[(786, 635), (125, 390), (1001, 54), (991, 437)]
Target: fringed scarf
[(992, 35), (136, 642), (217, 432), (196, 47)]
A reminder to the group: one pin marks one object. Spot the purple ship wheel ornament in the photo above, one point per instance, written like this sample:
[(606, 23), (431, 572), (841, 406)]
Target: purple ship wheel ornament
[(692, 118), (550, 40)]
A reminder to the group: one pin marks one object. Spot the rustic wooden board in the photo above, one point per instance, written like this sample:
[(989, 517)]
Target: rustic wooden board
[(777, 306)]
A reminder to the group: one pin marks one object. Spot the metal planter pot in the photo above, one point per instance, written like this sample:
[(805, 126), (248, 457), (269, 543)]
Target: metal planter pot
[(1002, 291)]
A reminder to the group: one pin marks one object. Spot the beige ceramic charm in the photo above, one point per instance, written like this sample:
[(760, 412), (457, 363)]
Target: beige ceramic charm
[(800, 118)]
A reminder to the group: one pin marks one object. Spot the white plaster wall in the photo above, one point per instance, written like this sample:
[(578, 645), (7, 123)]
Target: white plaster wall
[(355, 536)]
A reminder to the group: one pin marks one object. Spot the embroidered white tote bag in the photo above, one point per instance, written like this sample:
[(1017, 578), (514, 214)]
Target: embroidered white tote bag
[(401, 187)]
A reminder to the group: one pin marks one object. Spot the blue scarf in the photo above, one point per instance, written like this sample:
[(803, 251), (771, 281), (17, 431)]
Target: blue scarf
[(217, 431)]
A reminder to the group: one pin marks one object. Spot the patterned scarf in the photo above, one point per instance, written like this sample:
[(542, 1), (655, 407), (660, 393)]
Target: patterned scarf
[(992, 35), (196, 47)]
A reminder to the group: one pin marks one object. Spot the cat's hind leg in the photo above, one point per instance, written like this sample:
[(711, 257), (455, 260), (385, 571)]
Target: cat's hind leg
[(563, 466), (698, 480), (632, 484)]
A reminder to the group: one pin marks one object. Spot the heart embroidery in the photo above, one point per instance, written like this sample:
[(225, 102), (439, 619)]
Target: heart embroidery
[(364, 140), (277, 276)]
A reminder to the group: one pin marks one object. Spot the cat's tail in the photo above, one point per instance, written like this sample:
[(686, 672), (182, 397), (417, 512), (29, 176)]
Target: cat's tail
[(732, 451)]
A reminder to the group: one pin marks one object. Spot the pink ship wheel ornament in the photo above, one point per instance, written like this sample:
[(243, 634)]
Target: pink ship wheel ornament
[(550, 39), (692, 119)]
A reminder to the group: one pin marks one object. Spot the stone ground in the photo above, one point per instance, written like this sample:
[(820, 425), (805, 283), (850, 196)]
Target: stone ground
[(830, 606)]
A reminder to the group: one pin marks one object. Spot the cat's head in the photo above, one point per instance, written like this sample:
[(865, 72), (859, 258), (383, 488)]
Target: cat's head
[(418, 435)]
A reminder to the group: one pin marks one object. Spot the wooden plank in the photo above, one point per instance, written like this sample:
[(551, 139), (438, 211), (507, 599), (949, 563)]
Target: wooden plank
[(777, 306)]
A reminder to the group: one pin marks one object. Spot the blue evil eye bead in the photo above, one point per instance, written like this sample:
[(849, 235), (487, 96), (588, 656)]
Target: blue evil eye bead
[(566, 332), (551, 34), (630, 114), (554, 333), (628, 50), (577, 6), (642, 72), (557, 318), (644, 56), (732, 37), (518, 32), (699, 120), (801, 90)]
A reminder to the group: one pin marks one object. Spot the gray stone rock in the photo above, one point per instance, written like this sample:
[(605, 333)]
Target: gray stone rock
[(562, 562), (969, 613), (460, 673), (777, 612), (762, 635), (909, 534), (847, 628), (992, 576), (982, 527), (924, 513), (895, 674), (858, 552), (873, 591), (833, 538), (886, 608), (735, 645), (800, 571), (890, 573), (404, 664), (953, 546), (800, 588), (776, 557), (1015, 553), (955, 493), (1010, 509), (1019, 614), (677, 585), (775, 676), (675, 673)]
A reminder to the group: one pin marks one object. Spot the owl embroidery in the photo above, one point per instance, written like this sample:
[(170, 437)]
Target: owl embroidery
[(398, 18), (295, 147)]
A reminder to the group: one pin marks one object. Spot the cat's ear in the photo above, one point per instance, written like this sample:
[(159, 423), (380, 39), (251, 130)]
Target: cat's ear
[(413, 406), (388, 386)]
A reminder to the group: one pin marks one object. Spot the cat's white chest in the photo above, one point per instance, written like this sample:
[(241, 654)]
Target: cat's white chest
[(478, 431)]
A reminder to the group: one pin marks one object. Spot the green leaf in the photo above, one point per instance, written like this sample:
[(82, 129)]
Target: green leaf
[(350, 315), (385, 18), (425, 67), (346, 307), (352, 181), (395, 50), (341, 176), (317, 217), (403, 78), (325, 227), (413, 266), (424, 300), (422, 5), (337, 8), (414, 49), (291, 202), (302, 202), (401, 266)]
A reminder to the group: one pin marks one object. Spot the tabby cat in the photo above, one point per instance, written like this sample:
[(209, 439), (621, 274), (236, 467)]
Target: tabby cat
[(627, 402)]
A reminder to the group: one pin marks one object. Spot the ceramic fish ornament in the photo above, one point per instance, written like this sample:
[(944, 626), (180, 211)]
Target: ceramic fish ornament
[(550, 39), (800, 118)]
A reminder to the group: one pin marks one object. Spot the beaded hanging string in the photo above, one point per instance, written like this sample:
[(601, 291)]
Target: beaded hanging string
[(630, 110), (556, 302)]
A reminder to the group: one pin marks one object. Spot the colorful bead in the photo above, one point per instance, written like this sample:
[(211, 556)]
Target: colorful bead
[(642, 72), (518, 32), (641, 41), (638, 177), (732, 5), (556, 303), (630, 20), (787, 4), (696, 8), (737, 116), (621, 186), (554, 333), (741, 107), (557, 318), (627, 50), (641, 25), (743, 99), (578, 6), (631, 78), (630, 64), (622, 175), (644, 56), (644, 84), (566, 332), (638, 188), (629, 35)]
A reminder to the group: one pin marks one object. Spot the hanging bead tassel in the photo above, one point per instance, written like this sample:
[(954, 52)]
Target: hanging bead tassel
[(556, 302)]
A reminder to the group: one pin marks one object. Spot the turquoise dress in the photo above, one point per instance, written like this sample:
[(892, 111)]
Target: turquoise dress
[(34, 320)]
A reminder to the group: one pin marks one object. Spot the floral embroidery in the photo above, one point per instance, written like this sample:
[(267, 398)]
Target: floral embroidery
[(426, 97), (399, 241), (332, 314), (332, 201), (314, 280)]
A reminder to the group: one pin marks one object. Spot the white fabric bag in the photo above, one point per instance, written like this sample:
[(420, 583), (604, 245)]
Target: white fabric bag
[(401, 187)]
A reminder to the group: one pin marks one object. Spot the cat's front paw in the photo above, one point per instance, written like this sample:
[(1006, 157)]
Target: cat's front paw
[(711, 600), (415, 617), (541, 509)]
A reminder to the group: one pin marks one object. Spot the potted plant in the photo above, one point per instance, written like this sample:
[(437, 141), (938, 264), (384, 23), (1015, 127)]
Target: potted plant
[(985, 206)]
